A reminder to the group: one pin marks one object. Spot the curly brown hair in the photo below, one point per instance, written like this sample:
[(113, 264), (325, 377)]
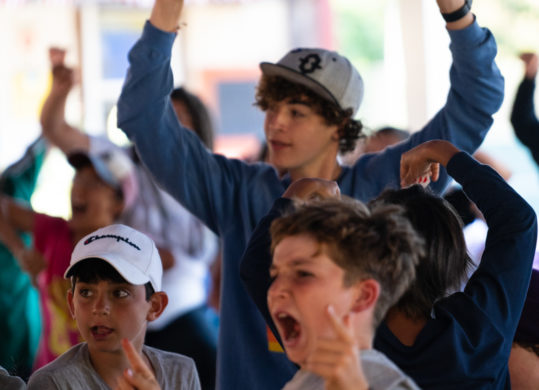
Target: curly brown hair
[(380, 244), (273, 89)]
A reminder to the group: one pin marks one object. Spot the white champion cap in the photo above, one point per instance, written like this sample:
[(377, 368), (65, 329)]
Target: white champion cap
[(133, 254)]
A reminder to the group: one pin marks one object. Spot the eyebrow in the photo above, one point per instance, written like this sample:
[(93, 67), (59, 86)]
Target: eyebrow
[(295, 263), (299, 101)]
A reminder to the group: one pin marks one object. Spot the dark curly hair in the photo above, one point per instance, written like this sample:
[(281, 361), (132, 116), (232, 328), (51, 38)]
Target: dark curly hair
[(272, 89)]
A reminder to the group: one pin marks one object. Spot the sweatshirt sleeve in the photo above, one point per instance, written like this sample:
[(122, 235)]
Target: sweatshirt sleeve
[(500, 283), (210, 186), (476, 93), (256, 261), (523, 118)]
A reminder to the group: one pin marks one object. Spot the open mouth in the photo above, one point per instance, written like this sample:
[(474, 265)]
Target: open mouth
[(100, 331), (288, 327)]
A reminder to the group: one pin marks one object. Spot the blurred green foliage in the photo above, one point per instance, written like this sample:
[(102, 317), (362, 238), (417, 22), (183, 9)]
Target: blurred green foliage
[(360, 29)]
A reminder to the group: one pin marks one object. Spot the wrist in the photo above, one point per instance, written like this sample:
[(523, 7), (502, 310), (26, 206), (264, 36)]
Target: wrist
[(448, 6), (452, 14)]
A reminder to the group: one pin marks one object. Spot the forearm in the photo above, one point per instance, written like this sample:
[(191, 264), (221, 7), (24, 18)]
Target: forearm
[(523, 116), (56, 129), (499, 285), (52, 115), (256, 262)]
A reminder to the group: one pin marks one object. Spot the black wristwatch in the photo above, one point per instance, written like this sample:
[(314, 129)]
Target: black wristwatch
[(461, 12)]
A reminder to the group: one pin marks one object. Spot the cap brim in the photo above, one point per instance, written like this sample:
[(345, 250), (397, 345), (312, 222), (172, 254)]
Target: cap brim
[(294, 76), (79, 160), (123, 267)]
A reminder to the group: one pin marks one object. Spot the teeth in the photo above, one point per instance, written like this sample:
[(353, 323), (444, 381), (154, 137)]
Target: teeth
[(282, 315)]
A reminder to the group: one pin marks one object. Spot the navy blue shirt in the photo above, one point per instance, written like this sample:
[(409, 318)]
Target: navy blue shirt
[(230, 196)]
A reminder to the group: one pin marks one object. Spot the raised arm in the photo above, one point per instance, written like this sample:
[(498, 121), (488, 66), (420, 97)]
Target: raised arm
[(53, 124), (500, 283), (210, 186), (523, 118), (476, 93)]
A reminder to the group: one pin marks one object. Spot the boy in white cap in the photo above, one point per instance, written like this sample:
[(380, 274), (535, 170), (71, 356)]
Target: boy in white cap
[(310, 99), (115, 275)]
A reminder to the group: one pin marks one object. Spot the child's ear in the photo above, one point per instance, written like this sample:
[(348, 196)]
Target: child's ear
[(336, 136), (368, 291), (70, 303), (159, 302)]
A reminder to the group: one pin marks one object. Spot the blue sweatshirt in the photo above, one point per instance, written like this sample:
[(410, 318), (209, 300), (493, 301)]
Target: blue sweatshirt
[(466, 344), (523, 118), (230, 197)]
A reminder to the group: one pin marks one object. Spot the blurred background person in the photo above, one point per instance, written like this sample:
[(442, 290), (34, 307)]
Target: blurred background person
[(20, 322)]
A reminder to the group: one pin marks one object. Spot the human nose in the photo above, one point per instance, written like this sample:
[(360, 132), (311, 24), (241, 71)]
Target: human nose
[(275, 118), (278, 288), (101, 305)]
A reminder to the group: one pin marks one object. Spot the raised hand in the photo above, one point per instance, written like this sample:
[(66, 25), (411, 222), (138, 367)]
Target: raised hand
[(424, 161), (63, 77), (308, 188), (530, 64), (56, 56), (140, 376), (337, 359), (166, 14)]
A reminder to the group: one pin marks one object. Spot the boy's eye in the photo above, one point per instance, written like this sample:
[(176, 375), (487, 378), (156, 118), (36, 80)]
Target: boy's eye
[(297, 114), (121, 293), (84, 292), (304, 274)]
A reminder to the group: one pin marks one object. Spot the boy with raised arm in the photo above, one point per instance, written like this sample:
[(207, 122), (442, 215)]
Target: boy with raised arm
[(310, 98)]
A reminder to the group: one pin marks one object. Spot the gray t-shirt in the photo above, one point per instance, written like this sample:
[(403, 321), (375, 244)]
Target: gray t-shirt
[(380, 372), (73, 370)]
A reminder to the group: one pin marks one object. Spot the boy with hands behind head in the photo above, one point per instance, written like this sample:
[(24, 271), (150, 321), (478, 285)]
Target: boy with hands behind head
[(115, 276)]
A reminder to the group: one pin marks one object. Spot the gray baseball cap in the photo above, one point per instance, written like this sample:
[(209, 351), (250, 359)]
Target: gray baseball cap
[(325, 72)]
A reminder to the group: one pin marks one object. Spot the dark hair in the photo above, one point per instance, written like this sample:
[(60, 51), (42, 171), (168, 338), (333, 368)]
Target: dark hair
[(400, 134), (93, 270), (379, 244), (273, 89), (445, 264), (199, 115)]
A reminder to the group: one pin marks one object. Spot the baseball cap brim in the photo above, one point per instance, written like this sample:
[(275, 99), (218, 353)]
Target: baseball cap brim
[(124, 267), (270, 69), (79, 160)]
